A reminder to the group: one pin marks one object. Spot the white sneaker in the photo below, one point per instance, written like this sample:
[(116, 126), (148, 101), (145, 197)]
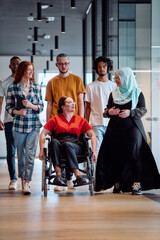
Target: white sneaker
[(13, 185), (70, 184), (59, 189), (26, 189)]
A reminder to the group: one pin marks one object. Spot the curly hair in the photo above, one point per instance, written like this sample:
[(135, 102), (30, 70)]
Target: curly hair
[(105, 60), (22, 71)]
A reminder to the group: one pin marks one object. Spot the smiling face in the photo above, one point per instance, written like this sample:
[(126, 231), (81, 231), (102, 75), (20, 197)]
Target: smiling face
[(69, 105), (30, 71), (117, 80)]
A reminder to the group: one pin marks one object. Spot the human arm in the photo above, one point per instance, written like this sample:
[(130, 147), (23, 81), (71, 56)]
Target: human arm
[(49, 110), (43, 135), (1, 123), (87, 111), (80, 103), (92, 135), (138, 112)]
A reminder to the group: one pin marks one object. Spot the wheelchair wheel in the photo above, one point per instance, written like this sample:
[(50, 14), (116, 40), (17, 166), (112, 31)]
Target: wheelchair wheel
[(91, 188), (45, 189), (90, 173)]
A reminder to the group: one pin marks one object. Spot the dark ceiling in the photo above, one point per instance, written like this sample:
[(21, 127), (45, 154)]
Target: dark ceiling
[(17, 32)]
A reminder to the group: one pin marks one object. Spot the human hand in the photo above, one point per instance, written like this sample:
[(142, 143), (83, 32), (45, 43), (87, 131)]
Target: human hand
[(41, 155), (27, 103), (22, 112), (94, 155), (114, 111), (124, 113), (1, 125)]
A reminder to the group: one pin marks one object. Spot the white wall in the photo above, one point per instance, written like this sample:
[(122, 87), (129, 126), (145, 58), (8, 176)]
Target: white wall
[(39, 64)]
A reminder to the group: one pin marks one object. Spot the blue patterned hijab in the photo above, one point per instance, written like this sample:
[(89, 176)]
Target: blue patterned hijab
[(129, 90)]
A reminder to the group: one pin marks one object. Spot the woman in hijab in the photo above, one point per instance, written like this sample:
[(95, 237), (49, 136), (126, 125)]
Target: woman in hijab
[(125, 160)]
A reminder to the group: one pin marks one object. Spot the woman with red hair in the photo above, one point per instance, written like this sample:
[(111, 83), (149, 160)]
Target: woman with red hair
[(24, 103)]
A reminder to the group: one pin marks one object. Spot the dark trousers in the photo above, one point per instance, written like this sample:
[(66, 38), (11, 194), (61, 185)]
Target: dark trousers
[(126, 148), (11, 150), (69, 150)]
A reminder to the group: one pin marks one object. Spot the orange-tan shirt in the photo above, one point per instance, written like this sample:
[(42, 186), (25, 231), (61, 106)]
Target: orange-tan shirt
[(58, 87)]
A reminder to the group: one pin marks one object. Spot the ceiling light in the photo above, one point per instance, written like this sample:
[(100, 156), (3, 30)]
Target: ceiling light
[(56, 42), (50, 19), (30, 19), (44, 6), (51, 55), (35, 34), (47, 65), (39, 11), (46, 36), (63, 24), (73, 3), (33, 49), (31, 59)]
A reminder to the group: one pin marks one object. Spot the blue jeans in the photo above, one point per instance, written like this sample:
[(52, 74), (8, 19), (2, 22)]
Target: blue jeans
[(99, 132), (26, 144), (11, 150)]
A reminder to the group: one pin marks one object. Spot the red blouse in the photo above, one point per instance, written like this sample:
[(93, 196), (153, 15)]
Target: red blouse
[(59, 124)]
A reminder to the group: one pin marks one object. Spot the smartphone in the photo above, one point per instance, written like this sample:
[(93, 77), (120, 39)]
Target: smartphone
[(20, 103)]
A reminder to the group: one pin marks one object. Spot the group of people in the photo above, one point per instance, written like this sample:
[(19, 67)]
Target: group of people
[(114, 110)]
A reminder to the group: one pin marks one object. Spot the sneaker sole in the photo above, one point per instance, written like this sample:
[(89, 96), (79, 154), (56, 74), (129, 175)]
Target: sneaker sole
[(12, 188), (26, 193)]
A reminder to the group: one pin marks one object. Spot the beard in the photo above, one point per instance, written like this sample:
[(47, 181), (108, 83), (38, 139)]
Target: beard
[(102, 74), (63, 71)]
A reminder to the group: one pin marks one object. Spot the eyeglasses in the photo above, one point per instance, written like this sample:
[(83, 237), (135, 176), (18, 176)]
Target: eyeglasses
[(61, 64), (70, 102)]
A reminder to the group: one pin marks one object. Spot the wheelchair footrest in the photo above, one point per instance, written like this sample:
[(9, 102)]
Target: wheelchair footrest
[(82, 180)]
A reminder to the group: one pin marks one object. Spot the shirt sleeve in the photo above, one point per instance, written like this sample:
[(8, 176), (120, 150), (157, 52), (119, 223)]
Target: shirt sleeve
[(10, 104), (1, 90), (40, 100), (88, 94), (80, 86), (86, 126), (50, 124), (49, 95)]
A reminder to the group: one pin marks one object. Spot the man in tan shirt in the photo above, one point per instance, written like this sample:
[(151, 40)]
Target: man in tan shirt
[(64, 84)]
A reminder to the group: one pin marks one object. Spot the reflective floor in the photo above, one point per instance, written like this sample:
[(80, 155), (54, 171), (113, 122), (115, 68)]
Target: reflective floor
[(76, 215)]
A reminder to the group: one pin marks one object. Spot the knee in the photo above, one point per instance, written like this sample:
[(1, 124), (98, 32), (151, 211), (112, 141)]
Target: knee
[(67, 145)]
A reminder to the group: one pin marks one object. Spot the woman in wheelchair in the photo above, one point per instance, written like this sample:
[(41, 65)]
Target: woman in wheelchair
[(67, 128)]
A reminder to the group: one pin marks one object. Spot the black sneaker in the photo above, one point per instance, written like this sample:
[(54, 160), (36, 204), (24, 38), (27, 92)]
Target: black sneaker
[(58, 180), (137, 190), (116, 188), (80, 181)]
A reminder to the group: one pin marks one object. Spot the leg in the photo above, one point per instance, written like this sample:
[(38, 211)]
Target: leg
[(19, 141), (31, 147), (70, 151), (10, 150), (99, 132)]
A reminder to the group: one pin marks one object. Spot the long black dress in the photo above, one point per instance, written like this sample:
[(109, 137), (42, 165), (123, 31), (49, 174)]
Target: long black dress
[(124, 155)]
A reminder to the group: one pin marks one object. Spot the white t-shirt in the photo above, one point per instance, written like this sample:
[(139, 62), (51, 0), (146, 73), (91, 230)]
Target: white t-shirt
[(97, 94), (4, 84)]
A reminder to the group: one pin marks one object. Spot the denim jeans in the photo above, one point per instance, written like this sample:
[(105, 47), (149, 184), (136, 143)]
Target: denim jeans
[(11, 150), (99, 132), (26, 144)]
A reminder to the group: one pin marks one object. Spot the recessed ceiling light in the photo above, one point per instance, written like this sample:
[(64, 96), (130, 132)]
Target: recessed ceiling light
[(30, 19)]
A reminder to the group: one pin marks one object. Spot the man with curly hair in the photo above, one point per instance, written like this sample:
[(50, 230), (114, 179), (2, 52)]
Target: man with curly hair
[(97, 94)]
